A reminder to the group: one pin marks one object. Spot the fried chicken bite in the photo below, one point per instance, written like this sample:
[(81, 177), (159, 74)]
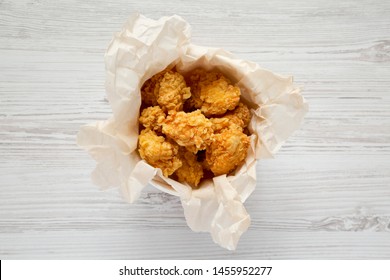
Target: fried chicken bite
[(218, 97), (159, 152), (172, 92), (151, 88), (212, 92), (228, 150), (191, 171), (167, 89), (197, 78), (152, 118), (191, 130), (241, 115)]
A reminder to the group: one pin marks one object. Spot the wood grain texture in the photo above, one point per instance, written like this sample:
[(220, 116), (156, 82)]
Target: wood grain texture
[(326, 195)]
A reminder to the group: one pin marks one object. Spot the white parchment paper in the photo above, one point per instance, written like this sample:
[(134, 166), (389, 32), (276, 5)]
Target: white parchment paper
[(145, 47)]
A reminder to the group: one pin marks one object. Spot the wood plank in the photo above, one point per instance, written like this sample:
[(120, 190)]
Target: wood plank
[(325, 195)]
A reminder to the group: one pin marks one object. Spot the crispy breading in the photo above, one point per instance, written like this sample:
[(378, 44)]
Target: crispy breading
[(191, 171), (151, 88), (167, 89), (191, 130), (218, 97), (158, 151), (172, 92), (212, 92), (196, 79), (152, 117), (221, 124), (241, 115), (228, 149)]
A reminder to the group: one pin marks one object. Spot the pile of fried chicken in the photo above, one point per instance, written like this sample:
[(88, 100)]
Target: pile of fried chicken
[(193, 127)]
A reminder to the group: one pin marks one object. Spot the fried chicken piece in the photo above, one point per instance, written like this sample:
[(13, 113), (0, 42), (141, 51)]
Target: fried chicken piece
[(152, 118), (197, 78), (228, 150), (191, 130), (172, 92), (212, 92), (159, 152), (191, 171), (221, 124), (151, 88), (218, 97), (241, 115)]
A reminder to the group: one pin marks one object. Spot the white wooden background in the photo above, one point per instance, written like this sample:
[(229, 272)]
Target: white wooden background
[(326, 195)]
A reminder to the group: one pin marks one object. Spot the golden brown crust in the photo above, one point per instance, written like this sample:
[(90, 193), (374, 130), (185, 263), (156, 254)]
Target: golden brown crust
[(191, 130), (172, 92), (221, 124), (152, 118), (241, 115), (159, 152), (218, 97), (228, 150), (212, 92), (167, 89), (198, 78), (191, 171), (151, 88)]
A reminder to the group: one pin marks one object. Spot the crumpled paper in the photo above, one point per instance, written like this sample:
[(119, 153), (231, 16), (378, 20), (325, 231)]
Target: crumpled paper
[(145, 47)]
